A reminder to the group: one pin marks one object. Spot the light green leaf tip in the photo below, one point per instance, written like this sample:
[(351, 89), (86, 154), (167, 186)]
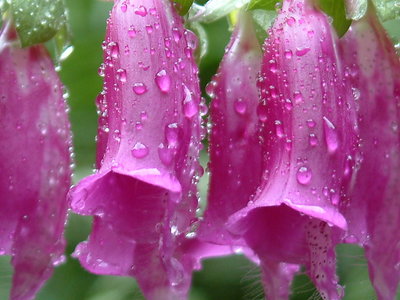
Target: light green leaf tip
[(37, 21), (262, 4), (183, 6), (336, 10)]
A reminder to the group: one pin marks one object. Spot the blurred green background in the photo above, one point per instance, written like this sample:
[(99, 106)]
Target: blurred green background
[(231, 278)]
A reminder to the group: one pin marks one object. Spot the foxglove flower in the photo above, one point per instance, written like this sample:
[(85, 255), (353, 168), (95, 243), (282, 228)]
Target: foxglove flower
[(143, 197), (34, 163), (307, 132), (373, 206), (236, 173)]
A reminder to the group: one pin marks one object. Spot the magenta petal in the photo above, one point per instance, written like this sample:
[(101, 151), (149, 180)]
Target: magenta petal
[(34, 163), (144, 195), (307, 130), (235, 152), (373, 209)]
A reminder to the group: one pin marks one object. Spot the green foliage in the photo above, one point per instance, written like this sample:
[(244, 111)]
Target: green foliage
[(388, 9), (37, 21), (183, 6), (262, 4), (336, 10)]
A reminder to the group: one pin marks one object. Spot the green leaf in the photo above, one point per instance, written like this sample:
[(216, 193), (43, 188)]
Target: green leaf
[(387, 9), (262, 4), (336, 10), (37, 21), (214, 10), (183, 6), (263, 20)]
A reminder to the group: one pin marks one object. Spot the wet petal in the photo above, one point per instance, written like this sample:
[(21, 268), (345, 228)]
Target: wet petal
[(307, 120), (373, 205), (144, 195), (34, 162)]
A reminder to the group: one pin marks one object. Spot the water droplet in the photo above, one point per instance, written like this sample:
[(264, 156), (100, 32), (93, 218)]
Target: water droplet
[(132, 32), (121, 75), (288, 104), (331, 136), (279, 129), (149, 29), (298, 97), (124, 7), (141, 11), (139, 88), (262, 112), (302, 51), (311, 123), (101, 69), (140, 150), (288, 54), (171, 134), (143, 116), (304, 175), (114, 49), (176, 34), (240, 106), (312, 139), (166, 154), (190, 107), (163, 81), (291, 21), (273, 66)]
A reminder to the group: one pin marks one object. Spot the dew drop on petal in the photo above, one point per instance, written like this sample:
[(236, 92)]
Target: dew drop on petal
[(139, 88), (121, 75), (262, 112), (304, 175), (132, 32), (190, 107), (302, 51), (279, 129), (312, 139), (288, 54), (298, 97), (141, 11), (166, 154), (163, 81), (331, 136), (240, 106), (140, 150)]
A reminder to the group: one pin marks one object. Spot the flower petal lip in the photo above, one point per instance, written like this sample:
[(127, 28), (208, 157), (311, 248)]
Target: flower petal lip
[(307, 130), (373, 204), (144, 195), (35, 163)]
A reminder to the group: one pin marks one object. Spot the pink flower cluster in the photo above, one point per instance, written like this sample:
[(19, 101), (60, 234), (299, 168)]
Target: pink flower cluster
[(304, 152)]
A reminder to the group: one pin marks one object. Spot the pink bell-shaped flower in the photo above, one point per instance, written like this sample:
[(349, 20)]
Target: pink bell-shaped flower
[(143, 197), (34, 162), (307, 120), (235, 150), (373, 206)]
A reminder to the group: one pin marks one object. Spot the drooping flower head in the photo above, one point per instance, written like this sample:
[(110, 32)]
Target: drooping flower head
[(34, 162), (143, 197), (307, 133), (235, 150), (373, 206)]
